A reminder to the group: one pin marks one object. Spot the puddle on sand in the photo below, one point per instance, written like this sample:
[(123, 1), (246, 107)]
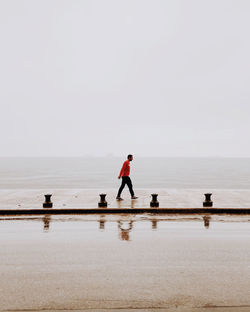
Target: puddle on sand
[(136, 261), (124, 223)]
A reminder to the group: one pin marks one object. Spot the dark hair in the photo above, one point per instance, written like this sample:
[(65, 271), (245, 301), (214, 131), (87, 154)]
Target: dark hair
[(129, 156)]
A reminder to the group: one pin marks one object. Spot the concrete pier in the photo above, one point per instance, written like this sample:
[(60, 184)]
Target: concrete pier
[(19, 202)]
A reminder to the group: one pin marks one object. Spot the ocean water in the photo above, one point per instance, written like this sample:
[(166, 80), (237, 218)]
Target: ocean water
[(96, 173)]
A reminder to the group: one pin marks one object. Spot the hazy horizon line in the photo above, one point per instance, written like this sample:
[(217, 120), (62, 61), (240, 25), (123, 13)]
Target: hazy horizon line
[(107, 156)]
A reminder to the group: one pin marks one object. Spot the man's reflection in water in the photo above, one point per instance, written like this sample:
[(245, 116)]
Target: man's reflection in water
[(102, 223), (46, 222), (206, 220), (154, 225), (124, 228), (119, 204)]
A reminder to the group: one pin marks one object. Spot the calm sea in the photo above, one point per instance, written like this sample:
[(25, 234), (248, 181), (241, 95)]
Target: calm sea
[(77, 173)]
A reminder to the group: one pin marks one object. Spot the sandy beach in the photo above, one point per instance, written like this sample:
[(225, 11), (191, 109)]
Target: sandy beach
[(125, 263)]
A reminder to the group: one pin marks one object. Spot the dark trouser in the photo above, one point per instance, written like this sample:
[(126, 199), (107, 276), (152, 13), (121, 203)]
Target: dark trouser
[(126, 180)]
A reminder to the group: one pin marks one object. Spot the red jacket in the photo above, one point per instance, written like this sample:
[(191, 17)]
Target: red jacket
[(125, 169)]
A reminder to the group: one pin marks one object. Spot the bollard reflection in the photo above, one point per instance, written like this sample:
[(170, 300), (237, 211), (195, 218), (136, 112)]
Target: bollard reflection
[(206, 220), (102, 223), (124, 229), (154, 225), (46, 222)]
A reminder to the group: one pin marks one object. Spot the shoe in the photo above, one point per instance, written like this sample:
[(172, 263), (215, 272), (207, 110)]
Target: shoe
[(119, 198), (134, 197)]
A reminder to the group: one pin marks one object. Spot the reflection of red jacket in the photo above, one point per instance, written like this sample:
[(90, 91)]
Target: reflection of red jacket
[(125, 169)]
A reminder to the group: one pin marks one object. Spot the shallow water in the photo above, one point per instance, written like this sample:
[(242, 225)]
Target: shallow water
[(125, 262), (95, 173)]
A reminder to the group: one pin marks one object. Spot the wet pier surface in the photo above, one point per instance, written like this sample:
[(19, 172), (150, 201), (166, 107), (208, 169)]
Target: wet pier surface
[(89, 198), (83, 201), (125, 263)]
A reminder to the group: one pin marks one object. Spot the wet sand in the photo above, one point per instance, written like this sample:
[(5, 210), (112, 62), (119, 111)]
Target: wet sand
[(125, 263)]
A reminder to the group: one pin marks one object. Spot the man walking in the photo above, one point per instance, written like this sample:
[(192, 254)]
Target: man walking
[(124, 174)]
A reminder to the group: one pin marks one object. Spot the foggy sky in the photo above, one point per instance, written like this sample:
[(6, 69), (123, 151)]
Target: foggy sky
[(152, 78)]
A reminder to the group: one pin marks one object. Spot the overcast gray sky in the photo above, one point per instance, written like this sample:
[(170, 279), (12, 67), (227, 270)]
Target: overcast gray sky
[(152, 78)]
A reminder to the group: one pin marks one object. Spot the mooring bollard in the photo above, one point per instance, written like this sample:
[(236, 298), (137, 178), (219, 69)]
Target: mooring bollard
[(102, 202), (208, 202), (154, 202), (48, 203)]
